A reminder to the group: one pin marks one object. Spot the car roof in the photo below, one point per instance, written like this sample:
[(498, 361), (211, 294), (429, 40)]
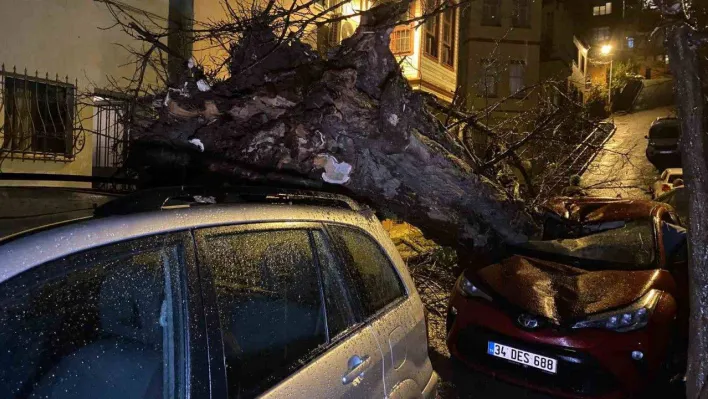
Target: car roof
[(53, 243), (82, 222)]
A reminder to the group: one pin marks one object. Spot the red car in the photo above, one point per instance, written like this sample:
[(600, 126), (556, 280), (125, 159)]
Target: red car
[(596, 309)]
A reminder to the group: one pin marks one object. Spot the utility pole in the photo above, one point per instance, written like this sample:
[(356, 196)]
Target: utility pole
[(179, 38)]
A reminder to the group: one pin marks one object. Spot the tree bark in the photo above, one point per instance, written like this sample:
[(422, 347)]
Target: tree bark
[(685, 67), (292, 115)]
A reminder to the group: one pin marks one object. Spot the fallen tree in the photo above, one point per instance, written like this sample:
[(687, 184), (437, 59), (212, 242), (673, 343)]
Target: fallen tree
[(350, 120)]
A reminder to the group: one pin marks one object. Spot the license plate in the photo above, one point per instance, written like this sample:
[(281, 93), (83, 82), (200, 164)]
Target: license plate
[(522, 357), (666, 152)]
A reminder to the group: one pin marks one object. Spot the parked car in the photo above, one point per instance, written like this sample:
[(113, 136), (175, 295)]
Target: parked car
[(211, 294), (678, 199), (663, 149), (666, 181), (596, 309)]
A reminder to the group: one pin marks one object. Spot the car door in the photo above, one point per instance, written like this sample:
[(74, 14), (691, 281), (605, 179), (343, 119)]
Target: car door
[(285, 322), (112, 322), (385, 305)]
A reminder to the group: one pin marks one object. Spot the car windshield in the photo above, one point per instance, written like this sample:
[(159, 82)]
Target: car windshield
[(665, 131), (630, 246)]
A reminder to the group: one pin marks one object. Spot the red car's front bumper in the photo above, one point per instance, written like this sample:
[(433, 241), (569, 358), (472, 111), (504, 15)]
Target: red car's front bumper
[(592, 363)]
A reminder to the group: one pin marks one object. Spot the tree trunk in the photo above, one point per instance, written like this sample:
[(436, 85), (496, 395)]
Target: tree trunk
[(351, 119), (685, 67)]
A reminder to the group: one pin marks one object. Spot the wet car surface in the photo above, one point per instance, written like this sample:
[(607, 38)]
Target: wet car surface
[(267, 295)]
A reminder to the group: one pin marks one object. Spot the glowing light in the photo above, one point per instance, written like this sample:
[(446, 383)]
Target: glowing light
[(606, 49)]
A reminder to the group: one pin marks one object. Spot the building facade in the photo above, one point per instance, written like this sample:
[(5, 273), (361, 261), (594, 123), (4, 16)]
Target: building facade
[(55, 117), (427, 51), (500, 53), (626, 29)]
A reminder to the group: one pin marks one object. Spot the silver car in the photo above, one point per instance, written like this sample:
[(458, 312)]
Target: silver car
[(176, 294)]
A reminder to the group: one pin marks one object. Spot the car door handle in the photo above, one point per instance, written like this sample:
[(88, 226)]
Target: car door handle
[(357, 365)]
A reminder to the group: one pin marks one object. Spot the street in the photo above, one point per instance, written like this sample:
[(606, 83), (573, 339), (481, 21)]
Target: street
[(621, 168)]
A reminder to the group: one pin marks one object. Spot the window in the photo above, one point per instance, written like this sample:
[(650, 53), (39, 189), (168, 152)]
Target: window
[(432, 30), (601, 34), (489, 78), (630, 42), (38, 116), (490, 12), (110, 136), (402, 41), (402, 35), (269, 304), (517, 71), (521, 15), (103, 324), (374, 277), (605, 9), (448, 37)]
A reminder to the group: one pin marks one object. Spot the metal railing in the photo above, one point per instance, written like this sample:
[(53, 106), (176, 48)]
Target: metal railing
[(38, 117)]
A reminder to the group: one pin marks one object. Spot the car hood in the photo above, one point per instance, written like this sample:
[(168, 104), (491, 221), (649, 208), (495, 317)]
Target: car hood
[(564, 293)]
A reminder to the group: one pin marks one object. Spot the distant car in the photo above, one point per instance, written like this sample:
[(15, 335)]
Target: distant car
[(176, 293), (663, 146), (678, 199), (596, 311), (666, 181)]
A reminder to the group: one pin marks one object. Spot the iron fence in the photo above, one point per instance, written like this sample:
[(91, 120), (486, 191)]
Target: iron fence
[(110, 132), (38, 117)]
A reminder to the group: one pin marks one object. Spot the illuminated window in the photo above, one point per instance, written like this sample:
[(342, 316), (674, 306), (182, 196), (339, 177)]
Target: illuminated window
[(602, 10), (630, 42), (402, 35)]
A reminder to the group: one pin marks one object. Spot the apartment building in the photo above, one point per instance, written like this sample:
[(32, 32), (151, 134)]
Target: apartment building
[(500, 53)]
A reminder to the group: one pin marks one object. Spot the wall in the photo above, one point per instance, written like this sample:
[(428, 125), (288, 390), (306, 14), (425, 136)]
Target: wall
[(503, 43), (62, 37), (557, 47)]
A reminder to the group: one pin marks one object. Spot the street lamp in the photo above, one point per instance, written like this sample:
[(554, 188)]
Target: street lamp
[(606, 50)]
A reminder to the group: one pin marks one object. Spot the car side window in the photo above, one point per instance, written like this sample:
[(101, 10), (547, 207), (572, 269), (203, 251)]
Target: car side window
[(269, 304), (106, 323), (340, 314), (375, 280)]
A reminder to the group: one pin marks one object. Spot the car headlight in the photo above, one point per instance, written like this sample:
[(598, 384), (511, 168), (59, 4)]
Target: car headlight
[(470, 290), (630, 318)]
